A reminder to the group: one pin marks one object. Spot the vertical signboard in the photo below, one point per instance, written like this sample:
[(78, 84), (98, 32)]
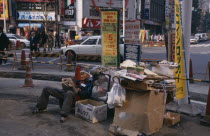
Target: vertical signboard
[(132, 52), (132, 41), (147, 9), (5, 9), (110, 37), (179, 56)]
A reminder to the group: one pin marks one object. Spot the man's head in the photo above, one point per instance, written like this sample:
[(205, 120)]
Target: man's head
[(1, 29), (33, 34), (84, 75)]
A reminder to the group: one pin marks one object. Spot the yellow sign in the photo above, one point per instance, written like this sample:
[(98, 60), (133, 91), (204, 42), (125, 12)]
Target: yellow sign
[(5, 10), (109, 30), (179, 57)]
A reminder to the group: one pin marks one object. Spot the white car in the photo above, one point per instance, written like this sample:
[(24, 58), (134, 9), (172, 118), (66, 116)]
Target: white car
[(89, 47), (202, 36), (24, 43), (194, 39)]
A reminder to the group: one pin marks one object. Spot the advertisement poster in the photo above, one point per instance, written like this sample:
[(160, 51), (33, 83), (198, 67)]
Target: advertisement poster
[(179, 56), (132, 52), (4, 10), (27, 15), (110, 35), (132, 29)]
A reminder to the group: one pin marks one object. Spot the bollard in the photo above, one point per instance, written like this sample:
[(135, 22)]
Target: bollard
[(77, 72), (23, 61), (28, 77), (17, 44), (191, 72), (209, 69), (206, 120), (69, 62)]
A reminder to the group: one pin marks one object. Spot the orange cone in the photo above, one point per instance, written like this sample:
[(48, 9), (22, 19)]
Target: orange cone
[(191, 72), (206, 120), (69, 62), (18, 44), (77, 72), (28, 79), (23, 61)]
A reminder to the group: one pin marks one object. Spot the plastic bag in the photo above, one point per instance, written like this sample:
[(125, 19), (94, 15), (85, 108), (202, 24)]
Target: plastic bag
[(100, 87), (116, 96)]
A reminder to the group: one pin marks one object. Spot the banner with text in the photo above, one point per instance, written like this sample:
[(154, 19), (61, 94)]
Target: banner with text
[(132, 30), (4, 10), (110, 35), (179, 56), (132, 52), (28, 15)]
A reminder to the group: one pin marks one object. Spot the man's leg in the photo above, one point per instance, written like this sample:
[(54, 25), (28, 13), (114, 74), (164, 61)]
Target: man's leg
[(44, 98), (69, 98)]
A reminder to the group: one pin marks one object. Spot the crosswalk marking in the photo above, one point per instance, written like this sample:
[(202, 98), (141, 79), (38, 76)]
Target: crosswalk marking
[(200, 45)]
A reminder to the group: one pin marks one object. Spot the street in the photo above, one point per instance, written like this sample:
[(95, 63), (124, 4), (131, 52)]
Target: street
[(199, 53), (16, 104)]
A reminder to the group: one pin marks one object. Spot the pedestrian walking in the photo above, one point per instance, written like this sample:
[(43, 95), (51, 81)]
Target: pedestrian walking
[(34, 41), (4, 43), (50, 38), (66, 96)]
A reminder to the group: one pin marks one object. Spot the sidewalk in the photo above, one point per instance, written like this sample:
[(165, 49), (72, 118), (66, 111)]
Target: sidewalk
[(16, 117)]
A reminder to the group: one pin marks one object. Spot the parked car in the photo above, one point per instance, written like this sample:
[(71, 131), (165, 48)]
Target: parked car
[(202, 36), (80, 40), (194, 39), (90, 47), (23, 41)]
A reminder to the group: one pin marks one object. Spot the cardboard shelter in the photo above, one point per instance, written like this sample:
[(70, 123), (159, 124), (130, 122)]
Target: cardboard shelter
[(142, 112)]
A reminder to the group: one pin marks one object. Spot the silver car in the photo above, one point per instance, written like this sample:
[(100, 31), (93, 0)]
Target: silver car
[(24, 43), (90, 47)]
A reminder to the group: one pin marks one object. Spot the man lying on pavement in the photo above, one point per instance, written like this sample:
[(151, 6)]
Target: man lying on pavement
[(66, 96)]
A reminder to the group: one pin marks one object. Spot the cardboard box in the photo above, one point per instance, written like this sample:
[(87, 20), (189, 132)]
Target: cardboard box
[(163, 70), (91, 110), (143, 111), (171, 119)]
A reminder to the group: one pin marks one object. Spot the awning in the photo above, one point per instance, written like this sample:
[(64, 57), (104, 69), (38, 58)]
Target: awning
[(38, 25)]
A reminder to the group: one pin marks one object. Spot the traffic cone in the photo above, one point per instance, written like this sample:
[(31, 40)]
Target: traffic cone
[(28, 78), (77, 72), (69, 62), (23, 61), (18, 45), (206, 120)]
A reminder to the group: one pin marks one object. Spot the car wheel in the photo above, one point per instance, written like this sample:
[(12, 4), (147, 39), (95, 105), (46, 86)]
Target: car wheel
[(22, 45), (73, 55)]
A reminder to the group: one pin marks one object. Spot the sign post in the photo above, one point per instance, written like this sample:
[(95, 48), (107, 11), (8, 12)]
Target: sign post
[(132, 47), (110, 37)]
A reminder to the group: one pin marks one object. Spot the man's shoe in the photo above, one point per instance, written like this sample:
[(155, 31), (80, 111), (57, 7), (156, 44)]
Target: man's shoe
[(37, 110)]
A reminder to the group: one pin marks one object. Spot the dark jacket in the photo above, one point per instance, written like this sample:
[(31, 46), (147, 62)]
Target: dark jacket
[(86, 88), (34, 41), (4, 41)]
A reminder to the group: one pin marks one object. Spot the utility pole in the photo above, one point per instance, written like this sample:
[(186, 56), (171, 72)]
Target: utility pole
[(5, 26), (123, 18), (56, 19)]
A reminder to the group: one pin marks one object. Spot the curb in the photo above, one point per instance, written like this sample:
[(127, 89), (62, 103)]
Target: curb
[(37, 76)]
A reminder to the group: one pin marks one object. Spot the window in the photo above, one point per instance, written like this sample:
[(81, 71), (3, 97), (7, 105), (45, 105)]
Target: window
[(90, 42), (99, 42)]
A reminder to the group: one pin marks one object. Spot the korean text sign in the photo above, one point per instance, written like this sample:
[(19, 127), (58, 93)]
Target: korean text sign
[(179, 57), (2, 10), (110, 32)]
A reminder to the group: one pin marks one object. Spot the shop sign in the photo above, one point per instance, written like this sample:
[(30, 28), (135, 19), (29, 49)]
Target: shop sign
[(95, 23), (147, 9), (29, 6), (31, 25), (110, 35), (70, 11), (179, 72), (5, 9), (27, 15), (132, 30), (132, 52), (61, 8)]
